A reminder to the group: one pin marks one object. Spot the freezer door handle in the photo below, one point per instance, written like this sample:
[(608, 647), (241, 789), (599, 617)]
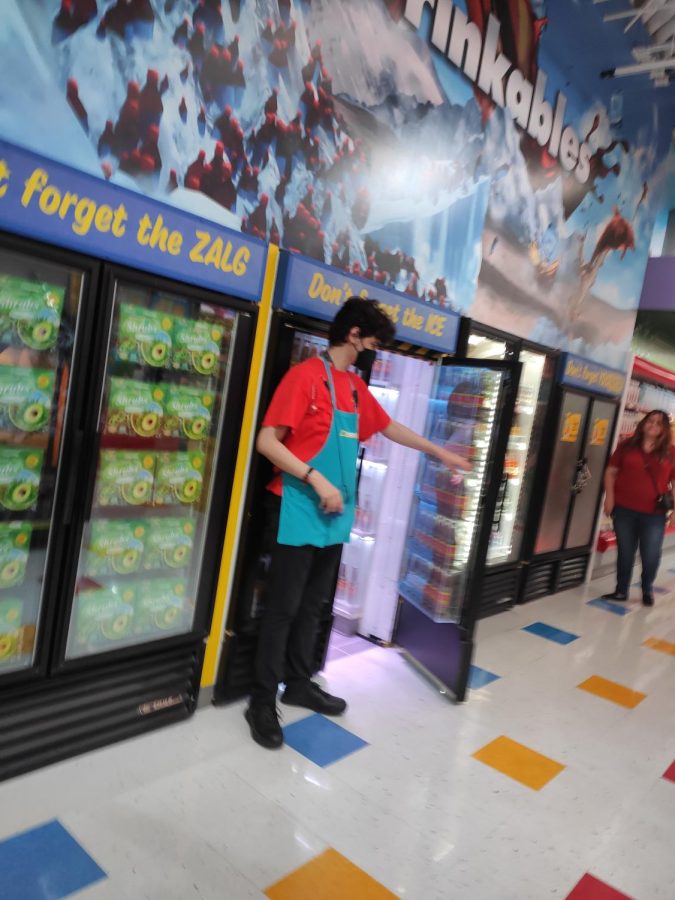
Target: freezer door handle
[(72, 487)]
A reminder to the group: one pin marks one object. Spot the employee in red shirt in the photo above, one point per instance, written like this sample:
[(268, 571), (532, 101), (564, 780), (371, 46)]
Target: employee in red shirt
[(311, 432), (638, 480)]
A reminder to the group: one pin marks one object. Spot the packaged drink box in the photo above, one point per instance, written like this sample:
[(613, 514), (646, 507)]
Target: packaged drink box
[(14, 548), (168, 543), (161, 605), (187, 412), (11, 611), (115, 547), (125, 477), (144, 336), (135, 408), (179, 477), (30, 313), (20, 471), (197, 345), (104, 615), (25, 398)]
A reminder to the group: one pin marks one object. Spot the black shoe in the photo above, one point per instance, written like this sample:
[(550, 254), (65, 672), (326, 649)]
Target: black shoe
[(615, 596), (647, 600), (263, 721), (312, 697)]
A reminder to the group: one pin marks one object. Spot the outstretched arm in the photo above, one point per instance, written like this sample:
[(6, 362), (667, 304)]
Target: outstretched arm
[(405, 436)]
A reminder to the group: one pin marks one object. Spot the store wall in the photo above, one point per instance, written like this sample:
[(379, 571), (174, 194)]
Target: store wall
[(359, 133)]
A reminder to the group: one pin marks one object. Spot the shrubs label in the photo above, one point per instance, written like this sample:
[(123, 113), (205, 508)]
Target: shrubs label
[(160, 605), (11, 611), (144, 336), (19, 478), (196, 345), (25, 398), (104, 615), (30, 313), (134, 408), (115, 547), (179, 477), (125, 477), (14, 547), (168, 543), (188, 412)]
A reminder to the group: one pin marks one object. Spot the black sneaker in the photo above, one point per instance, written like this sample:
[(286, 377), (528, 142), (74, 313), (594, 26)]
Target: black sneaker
[(615, 596), (263, 721), (647, 600), (311, 696)]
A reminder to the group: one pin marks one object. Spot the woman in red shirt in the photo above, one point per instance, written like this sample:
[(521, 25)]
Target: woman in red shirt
[(640, 470)]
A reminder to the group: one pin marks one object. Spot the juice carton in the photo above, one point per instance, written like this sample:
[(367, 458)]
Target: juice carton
[(14, 546), (103, 615), (179, 478), (115, 547), (188, 412), (134, 407), (125, 477), (25, 398), (161, 605), (11, 611), (196, 345), (30, 312), (168, 543), (19, 477), (144, 336)]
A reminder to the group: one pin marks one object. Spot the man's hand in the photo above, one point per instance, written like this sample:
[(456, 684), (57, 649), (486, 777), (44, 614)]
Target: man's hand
[(452, 460), (330, 498)]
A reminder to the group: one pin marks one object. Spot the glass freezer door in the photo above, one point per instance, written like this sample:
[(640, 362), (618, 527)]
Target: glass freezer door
[(39, 305), (160, 428)]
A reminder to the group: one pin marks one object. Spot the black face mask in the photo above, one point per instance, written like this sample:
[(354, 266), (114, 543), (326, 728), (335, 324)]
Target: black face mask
[(365, 360)]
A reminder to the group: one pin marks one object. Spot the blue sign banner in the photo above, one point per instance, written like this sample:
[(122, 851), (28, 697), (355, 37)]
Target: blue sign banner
[(51, 202), (583, 373), (308, 287)]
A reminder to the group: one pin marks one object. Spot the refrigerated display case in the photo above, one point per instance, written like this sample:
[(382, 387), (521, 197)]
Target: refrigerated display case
[(512, 518), (580, 433), (121, 397)]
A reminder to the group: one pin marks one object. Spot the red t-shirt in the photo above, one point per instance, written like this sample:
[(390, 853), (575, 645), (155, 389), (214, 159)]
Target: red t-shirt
[(634, 487), (302, 403)]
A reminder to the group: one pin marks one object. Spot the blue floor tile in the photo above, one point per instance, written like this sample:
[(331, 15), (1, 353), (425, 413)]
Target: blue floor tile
[(45, 863), (551, 633), (322, 741), (618, 609), (478, 677), (656, 590)]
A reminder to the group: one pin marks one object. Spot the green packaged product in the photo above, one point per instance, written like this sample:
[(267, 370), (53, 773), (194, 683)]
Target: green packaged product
[(144, 336), (196, 345), (25, 398), (30, 312), (19, 478), (188, 412), (104, 615), (125, 477), (168, 543), (14, 548), (134, 407), (115, 547), (161, 605), (179, 477), (11, 611)]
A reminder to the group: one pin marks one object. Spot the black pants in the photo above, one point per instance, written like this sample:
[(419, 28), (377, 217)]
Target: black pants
[(300, 587)]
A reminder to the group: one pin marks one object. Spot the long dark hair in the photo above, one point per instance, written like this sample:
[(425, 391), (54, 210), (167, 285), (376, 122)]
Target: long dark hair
[(662, 446)]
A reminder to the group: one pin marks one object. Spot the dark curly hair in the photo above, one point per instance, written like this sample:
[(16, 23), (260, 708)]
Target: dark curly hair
[(663, 444), (365, 314)]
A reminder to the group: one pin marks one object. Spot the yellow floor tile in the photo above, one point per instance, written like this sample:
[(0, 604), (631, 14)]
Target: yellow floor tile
[(329, 876), (610, 690), (661, 646), (519, 762)]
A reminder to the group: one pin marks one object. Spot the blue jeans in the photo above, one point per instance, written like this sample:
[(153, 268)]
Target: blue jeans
[(635, 529)]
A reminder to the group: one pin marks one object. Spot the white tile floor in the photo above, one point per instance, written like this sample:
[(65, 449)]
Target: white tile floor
[(198, 810)]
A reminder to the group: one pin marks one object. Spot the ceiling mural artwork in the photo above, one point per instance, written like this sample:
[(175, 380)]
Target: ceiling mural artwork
[(438, 148)]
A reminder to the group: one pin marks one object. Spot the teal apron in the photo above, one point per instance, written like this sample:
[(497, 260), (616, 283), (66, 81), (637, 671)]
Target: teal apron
[(302, 521)]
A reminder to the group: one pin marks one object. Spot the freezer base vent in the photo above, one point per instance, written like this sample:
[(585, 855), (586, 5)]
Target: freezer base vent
[(538, 580), (50, 721), (572, 572), (499, 591)]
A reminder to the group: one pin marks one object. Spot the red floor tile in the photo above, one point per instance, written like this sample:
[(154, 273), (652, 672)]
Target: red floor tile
[(590, 888), (670, 772)]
